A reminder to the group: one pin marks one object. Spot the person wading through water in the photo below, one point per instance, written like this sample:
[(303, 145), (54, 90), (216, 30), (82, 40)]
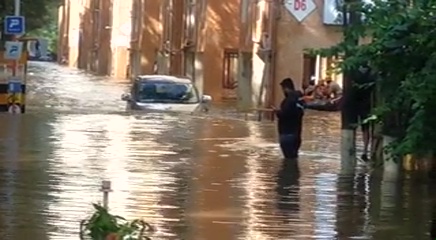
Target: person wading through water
[(290, 120), (366, 80)]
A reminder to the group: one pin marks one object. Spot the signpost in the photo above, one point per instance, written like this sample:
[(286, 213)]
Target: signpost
[(106, 189), (13, 50), (300, 9), (15, 25), (14, 96)]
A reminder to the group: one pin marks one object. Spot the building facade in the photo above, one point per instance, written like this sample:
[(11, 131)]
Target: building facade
[(94, 35), (196, 38), (238, 50), (274, 37)]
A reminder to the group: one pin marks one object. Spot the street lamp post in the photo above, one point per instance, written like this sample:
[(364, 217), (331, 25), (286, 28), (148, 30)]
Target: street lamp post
[(17, 9)]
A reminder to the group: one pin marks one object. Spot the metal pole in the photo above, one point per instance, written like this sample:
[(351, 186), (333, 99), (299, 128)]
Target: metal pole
[(15, 63), (17, 7), (106, 189), (17, 11), (348, 114)]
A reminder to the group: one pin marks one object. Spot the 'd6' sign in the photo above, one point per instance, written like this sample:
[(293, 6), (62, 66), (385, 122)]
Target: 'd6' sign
[(300, 9), (300, 5)]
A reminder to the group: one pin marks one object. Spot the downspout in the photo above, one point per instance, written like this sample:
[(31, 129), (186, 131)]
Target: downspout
[(195, 12), (164, 55), (169, 21), (272, 28), (184, 37), (97, 39)]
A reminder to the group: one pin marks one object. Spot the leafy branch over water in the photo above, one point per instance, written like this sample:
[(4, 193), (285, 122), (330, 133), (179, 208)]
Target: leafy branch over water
[(104, 226)]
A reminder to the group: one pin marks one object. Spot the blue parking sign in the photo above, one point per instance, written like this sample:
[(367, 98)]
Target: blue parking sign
[(14, 87), (14, 25)]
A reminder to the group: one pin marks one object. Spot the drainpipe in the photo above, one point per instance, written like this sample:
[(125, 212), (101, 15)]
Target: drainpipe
[(169, 21), (272, 32), (166, 45)]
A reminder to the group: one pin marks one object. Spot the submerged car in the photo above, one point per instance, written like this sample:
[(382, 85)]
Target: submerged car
[(165, 93)]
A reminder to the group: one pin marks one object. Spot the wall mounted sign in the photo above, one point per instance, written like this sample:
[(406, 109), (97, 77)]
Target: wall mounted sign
[(333, 12), (300, 9), (13, 50)]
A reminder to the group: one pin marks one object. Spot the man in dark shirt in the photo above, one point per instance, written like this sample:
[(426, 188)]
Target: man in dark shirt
[(290, 120), (363, 94)]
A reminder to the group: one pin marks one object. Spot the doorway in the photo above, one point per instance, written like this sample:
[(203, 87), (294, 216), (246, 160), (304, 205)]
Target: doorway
[(230, 74), (309, 69)]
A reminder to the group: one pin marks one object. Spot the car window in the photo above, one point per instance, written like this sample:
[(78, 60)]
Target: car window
[(166, 92)]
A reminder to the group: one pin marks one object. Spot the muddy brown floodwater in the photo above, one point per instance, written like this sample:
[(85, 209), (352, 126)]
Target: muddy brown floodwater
[(191, 177)]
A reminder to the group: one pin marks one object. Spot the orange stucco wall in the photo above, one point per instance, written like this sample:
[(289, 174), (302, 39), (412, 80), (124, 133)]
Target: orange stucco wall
[(97, 48), (85, 36), (222, 31), (150, 34)]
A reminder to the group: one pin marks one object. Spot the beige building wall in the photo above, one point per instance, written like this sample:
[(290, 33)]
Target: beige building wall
[(63, 19), (75, 10), (294, 37), (278, 43), (120, 37)]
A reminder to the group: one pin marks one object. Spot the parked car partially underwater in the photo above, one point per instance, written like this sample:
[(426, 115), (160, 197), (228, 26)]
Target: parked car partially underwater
[(165, 93)]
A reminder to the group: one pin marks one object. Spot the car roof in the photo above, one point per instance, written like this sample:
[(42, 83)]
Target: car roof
[(163, 78)]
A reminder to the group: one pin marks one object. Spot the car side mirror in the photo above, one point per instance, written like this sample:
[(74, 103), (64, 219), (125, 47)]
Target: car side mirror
[(126, 97), (206, 99)]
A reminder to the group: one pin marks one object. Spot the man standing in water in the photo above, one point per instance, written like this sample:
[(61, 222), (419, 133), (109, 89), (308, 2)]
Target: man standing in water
[(363, 94), (290, 120)]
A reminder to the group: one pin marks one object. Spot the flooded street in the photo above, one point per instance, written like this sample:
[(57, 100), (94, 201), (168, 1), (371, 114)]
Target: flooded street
[(191, 177)]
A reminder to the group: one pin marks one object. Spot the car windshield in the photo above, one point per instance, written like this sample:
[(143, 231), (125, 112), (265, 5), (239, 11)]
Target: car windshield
[(166, 92)]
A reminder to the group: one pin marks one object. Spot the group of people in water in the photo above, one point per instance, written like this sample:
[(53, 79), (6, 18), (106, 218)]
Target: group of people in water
[(325, 90)]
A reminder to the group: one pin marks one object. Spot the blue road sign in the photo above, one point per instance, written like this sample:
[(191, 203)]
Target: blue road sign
[(14, 87), (14, 25)]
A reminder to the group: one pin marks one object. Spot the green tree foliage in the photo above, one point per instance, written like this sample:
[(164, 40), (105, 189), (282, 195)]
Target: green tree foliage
[(50, 29), (403, 54), (38, 13)]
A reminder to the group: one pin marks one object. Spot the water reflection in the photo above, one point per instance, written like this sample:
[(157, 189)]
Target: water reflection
[(288, 191), (433, 222), (352, 206), (288, 186), (204, 177)]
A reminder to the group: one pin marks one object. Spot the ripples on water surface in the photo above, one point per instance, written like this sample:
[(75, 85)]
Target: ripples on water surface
[(190, 177)]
